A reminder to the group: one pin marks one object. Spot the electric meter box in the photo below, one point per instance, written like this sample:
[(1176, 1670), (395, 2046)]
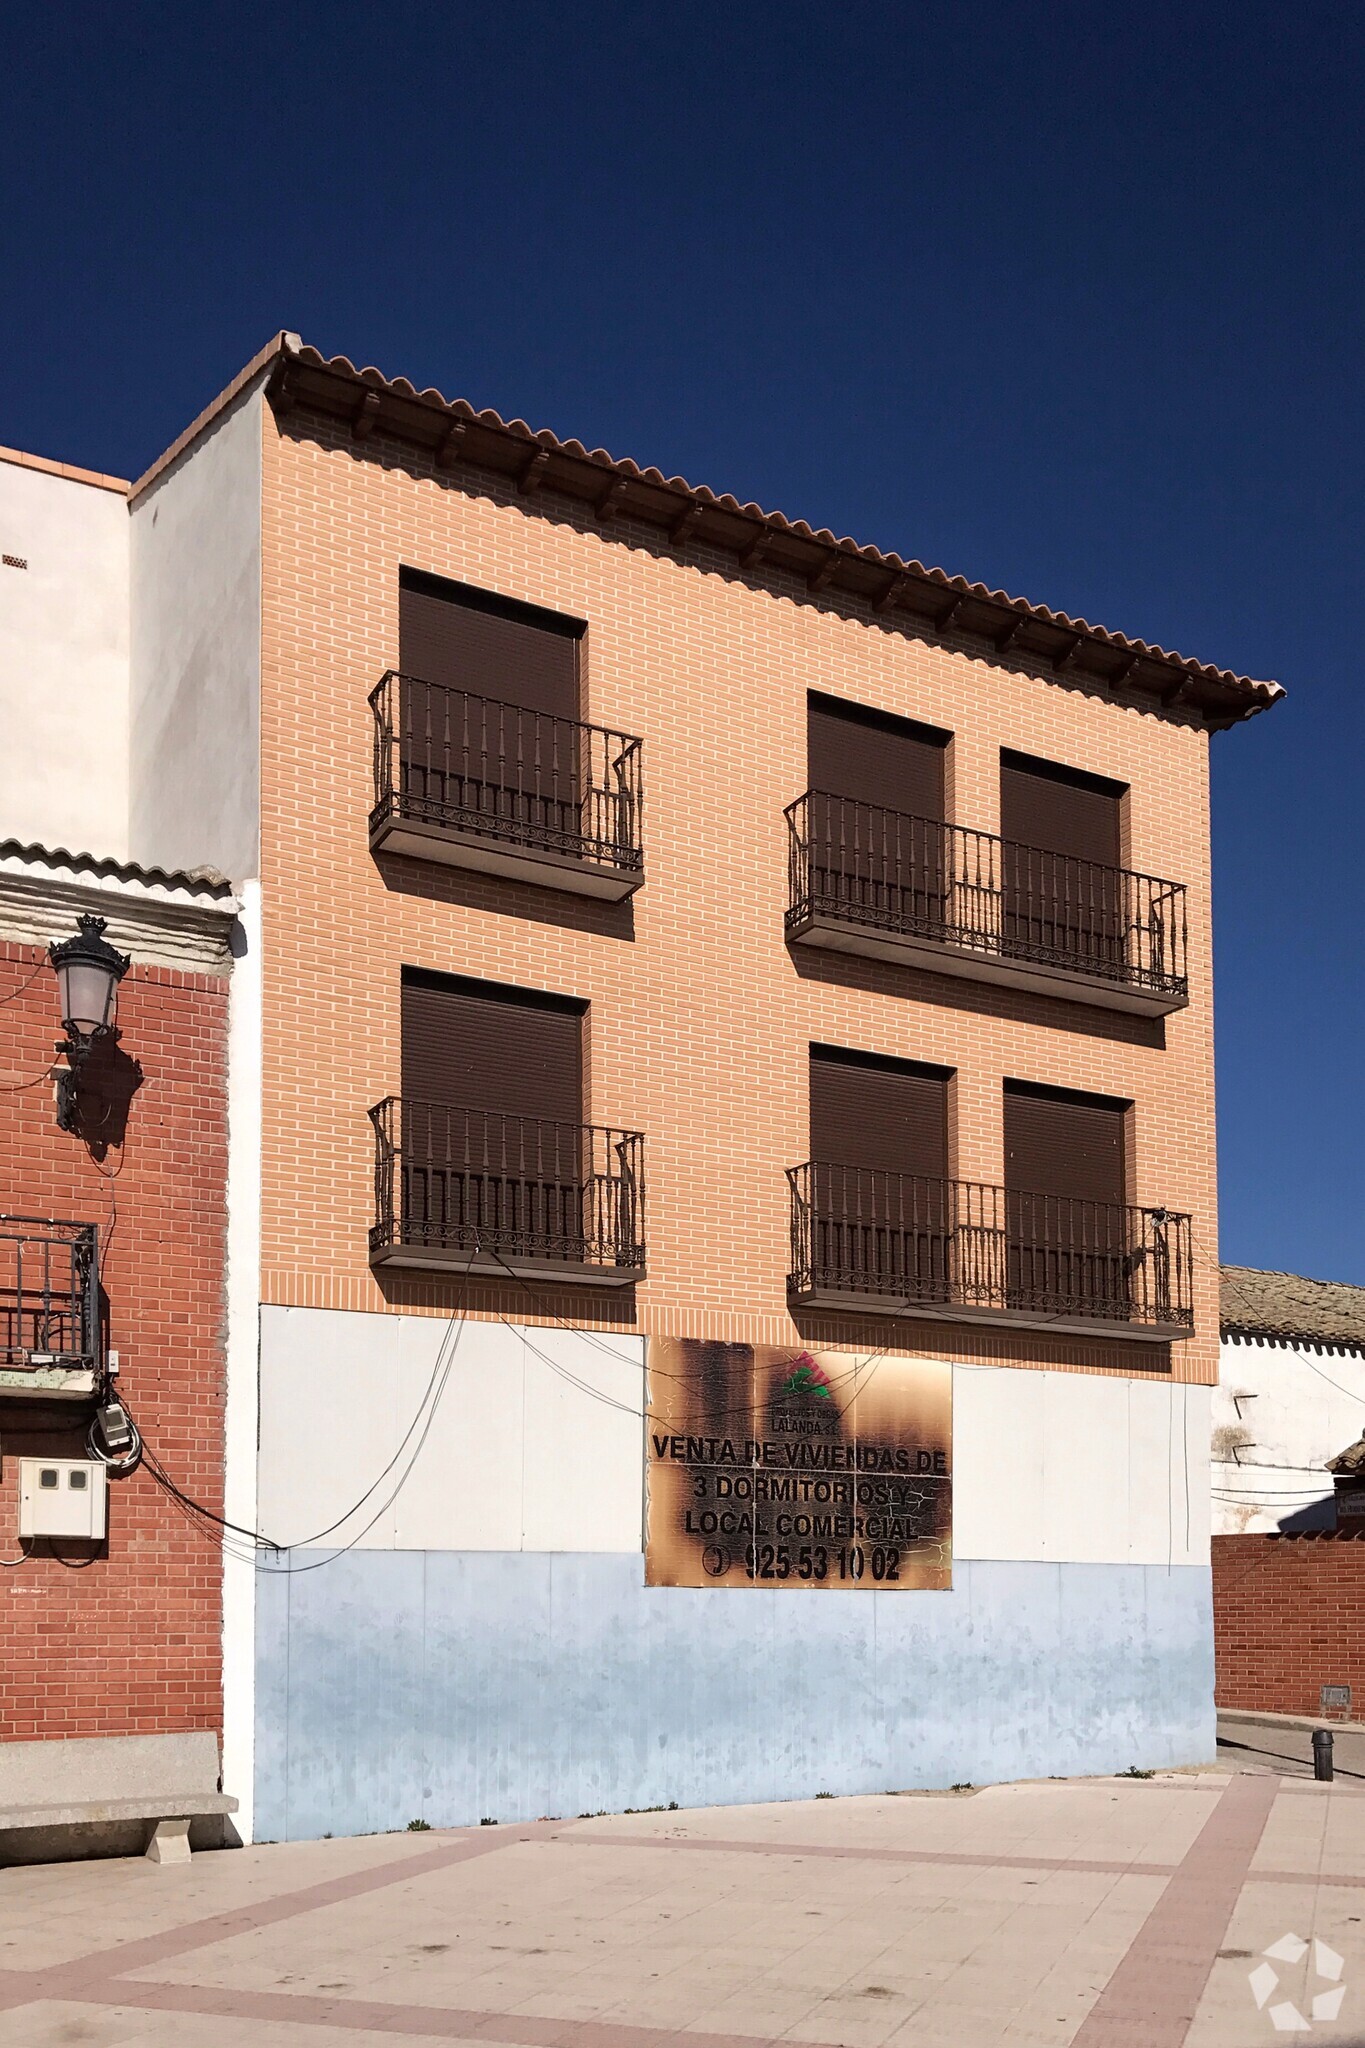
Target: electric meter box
[(62, 1497)]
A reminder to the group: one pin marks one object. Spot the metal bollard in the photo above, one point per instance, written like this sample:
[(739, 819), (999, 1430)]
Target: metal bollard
[(1322, 1753)]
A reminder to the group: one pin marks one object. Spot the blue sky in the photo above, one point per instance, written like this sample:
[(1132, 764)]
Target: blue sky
[(1067, 298)]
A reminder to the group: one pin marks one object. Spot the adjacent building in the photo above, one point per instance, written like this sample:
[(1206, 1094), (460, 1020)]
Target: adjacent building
[(112, 1211), (721, 1113), (1288, 1497)]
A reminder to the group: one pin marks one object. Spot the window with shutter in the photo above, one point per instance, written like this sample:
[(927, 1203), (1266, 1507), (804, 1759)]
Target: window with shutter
[(493, 1147), (1063, 894), (876, 813), (1066, 1223), (879, 1173), (490, 706)]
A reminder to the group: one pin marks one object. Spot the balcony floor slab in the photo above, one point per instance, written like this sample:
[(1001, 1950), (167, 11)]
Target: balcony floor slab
[(454, 847), (459, 1260), (859, 1301), (940, 956)]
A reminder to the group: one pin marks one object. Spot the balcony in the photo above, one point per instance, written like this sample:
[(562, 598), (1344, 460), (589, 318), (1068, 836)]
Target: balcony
[(50, 1313), (475, 783), (469, 1191), (956, 1251), (893, 887)]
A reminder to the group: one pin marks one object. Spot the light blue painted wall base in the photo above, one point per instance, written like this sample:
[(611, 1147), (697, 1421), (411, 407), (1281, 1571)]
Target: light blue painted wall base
[(450, 1686)]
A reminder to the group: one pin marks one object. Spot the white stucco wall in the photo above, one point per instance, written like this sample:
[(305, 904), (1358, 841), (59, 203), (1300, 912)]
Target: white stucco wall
[(63, 663), (1280, 1411), (537, 1444), (196, 653)]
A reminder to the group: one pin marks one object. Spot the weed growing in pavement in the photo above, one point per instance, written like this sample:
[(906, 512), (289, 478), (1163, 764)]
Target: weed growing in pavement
[(419, 1827), (1133, 1772)]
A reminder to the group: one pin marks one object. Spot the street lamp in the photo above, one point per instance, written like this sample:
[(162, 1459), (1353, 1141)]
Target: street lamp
[(88, 971)]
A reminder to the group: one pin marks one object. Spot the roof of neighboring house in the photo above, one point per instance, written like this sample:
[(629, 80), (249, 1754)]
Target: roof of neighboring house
[(68, 470), (451, 433), (1351, 1460), (1257, 1304), (197, 882)]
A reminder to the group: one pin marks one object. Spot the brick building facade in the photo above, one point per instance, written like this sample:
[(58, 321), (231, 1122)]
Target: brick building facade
[(123, 1637), (569, 1029), (1289, 1619)]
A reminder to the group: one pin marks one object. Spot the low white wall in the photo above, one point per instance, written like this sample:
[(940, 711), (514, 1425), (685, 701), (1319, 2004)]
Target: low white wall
[(537, 1444), (64, 663), (1074, 1468), (1280, 1411)]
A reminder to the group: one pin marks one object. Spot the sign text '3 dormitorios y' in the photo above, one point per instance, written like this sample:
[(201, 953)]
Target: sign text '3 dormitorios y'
[(820, 1470)]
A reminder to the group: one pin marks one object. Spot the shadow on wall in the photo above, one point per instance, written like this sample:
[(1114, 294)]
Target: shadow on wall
[(983, 999), (1318, 1516), (106, 1082), (471, 891)]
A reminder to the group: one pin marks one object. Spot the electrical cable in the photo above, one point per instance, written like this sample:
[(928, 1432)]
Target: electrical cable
[(23, 988), (208, 1518), (746, 1409)]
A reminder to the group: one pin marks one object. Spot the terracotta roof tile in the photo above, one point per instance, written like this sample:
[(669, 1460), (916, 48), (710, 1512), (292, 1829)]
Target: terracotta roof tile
[(450, 431), (306, 375), (1257, 1304), (203, 881)]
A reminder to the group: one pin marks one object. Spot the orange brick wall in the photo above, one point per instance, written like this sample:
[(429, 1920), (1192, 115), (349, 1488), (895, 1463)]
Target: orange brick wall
[(130, 1644), (700, 1016), (1289, 1618)]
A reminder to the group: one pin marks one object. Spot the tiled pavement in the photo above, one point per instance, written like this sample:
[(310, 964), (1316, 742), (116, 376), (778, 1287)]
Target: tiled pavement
[(1108, 1913)]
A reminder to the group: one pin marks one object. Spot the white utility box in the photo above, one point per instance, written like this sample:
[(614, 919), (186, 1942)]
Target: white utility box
[(62, 1497)]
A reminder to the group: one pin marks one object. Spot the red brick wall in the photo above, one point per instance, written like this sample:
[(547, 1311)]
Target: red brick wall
[(1289, 1618), (131, 1644)]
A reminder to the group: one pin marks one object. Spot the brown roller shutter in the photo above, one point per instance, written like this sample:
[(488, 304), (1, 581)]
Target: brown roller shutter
[(1067, 1230), (473, 640), (492, 1154), (874, 757), (866, 1111), (1057, 1143), (489, 709), (878, 1181), (877, 843), (1060, 810), (1063, 896), (472, 1045)]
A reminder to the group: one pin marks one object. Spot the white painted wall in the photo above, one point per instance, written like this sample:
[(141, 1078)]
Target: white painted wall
[(537, 1443), (241, 1412), (1280, 1411), (64, 663), (1073, 1468), (196, 653)]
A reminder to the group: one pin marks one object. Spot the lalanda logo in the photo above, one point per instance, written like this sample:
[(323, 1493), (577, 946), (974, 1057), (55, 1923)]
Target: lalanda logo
[(808, 1378), (1285, 2016)]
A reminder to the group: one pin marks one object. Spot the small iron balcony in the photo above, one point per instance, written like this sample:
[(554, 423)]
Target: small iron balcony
[(957, 1251), (878, 882), (51, 1330), (474, 783), (483, 1193)]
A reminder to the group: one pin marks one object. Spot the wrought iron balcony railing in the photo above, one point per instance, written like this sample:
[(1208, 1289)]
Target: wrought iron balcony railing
[(477, 783), (960, 1251), (483, 1192), (50, 1309), (865, 879)]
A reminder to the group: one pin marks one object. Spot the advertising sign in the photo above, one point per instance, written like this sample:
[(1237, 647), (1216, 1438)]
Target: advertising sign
[(823, 1471)]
